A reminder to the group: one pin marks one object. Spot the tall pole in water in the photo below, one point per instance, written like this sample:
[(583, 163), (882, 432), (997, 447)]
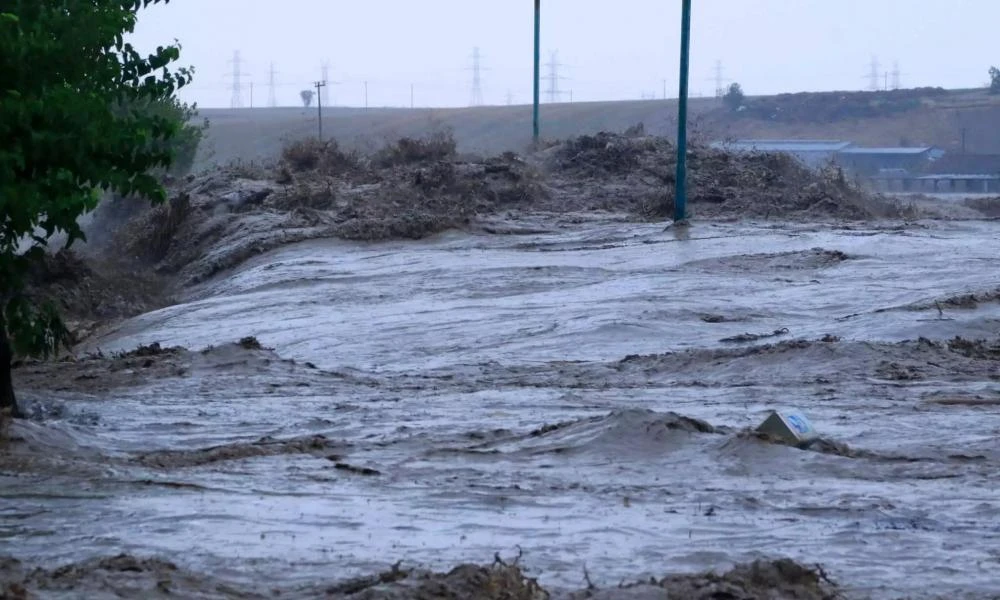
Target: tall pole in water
[(538, 55), (680, 197)]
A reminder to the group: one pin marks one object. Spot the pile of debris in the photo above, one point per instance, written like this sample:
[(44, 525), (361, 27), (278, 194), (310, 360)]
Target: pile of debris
[(418, 187), (637, 174), (128, 576), (410, 190)]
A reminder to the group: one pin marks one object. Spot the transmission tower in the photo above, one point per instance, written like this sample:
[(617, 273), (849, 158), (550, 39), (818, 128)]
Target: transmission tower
[(477, 81), (554, 92), (272, 96), (324, 91), (873, 75), (896, 77), (510, 98), (720, 82), (237, 99)]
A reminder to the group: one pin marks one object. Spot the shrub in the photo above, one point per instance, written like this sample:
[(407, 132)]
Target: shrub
[(439, 145)]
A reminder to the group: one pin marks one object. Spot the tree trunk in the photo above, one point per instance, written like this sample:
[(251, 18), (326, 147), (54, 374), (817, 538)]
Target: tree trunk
[(7, 399)]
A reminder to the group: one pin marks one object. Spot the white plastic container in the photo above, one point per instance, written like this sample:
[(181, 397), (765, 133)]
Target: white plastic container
[(789, 426)]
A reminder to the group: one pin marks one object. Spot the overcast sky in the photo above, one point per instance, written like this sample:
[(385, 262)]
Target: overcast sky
[(625, 49)]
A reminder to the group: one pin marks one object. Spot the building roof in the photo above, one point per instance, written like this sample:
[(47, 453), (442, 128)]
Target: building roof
[(906, 150), (785, 145), (965, 164), (959, 177)]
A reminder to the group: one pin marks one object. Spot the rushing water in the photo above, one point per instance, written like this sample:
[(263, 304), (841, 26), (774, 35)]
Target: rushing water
[(436, 360)]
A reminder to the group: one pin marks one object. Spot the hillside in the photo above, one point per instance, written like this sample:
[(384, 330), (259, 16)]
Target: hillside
[(904, 117)]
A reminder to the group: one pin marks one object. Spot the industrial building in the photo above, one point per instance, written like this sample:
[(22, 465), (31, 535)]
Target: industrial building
[(812, 153)]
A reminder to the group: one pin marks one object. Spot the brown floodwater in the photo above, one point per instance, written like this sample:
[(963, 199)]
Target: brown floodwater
[(580, 394)]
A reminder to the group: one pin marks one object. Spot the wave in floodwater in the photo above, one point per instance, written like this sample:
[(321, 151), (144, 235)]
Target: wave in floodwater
[(586, 395)]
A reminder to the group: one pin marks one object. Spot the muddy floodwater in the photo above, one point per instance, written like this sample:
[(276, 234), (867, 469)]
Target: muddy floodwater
[(581, 392)]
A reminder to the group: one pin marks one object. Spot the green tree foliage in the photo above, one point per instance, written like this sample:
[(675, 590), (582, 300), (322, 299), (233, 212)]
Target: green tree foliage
[(994, 80), (734, 97), (75, 121), (183, 145)]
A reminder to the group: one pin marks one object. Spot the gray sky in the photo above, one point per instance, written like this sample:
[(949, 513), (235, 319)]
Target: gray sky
[(609, 50)]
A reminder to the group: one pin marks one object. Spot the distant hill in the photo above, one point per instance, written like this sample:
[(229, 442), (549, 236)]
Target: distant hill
[(926, 116)]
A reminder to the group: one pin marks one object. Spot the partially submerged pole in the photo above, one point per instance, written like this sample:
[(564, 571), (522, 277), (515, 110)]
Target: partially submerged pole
[(680, 196), (538, 39)]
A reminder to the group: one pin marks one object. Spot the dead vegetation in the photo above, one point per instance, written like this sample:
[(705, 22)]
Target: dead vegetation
[(173, 459), (437, 146), (759, 580), (125, 575), (414, 188), (325, 157), (641, 170)]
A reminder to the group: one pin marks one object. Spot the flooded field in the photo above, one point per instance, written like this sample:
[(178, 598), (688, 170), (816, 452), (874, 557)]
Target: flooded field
[(580, 394)]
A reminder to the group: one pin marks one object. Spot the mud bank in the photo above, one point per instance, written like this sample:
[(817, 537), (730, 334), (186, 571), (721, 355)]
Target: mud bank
[(129, 576), (91, 290), (416, 188)]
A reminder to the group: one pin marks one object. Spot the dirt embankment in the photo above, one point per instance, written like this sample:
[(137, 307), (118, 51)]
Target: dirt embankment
[(419, 187), (412, 189), (89, 291), (129, 576)]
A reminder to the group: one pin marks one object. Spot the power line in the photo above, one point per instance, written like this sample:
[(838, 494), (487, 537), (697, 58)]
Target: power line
[(477, 81)]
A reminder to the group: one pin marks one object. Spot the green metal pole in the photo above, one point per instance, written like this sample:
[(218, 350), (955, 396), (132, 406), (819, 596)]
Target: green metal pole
[(538, 55), (680, 198)]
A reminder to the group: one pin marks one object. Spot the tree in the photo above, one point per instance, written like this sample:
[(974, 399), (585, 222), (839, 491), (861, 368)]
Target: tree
[(994, 80), (734, 97), (75, 121), (184, 143), (307, 97)]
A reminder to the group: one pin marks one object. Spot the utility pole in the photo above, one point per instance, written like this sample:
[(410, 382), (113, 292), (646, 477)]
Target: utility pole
[(366, 96), (251, 94), (538, 37), (477, 82), (680, 195), (320, 85), (664, 89), (411, 95), (272, 96), (237, 99), (510, 98)]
